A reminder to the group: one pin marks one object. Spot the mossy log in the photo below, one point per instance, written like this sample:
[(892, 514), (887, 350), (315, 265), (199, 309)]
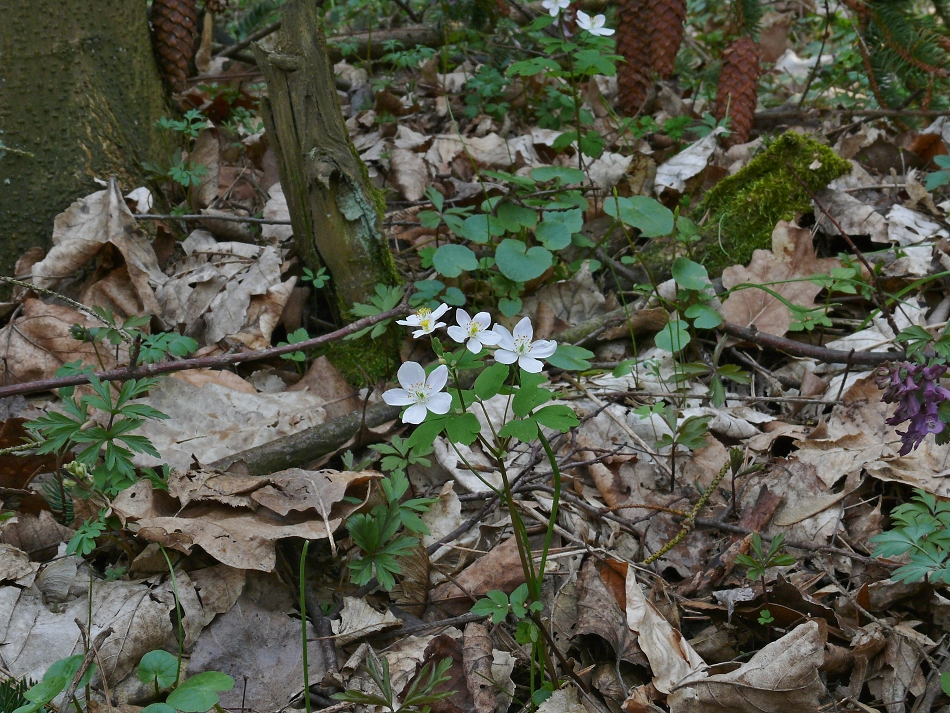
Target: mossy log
[(335, 214), (79, 95)]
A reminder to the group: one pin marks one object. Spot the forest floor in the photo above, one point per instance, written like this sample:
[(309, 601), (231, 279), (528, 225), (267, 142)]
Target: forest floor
[(683, 484)]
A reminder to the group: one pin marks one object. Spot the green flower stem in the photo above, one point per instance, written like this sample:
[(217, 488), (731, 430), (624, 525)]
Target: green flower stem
[(303, 625), (178, 610)]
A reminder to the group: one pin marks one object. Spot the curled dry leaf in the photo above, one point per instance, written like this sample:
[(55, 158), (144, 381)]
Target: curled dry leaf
[(599, 613), (781, 677), (35, 344), (226, 515), (410, 174), (673, 174), (16, 567), (671, 657), (477, 662), (85, 228), (784, 271), (358, 620), (499, 569)]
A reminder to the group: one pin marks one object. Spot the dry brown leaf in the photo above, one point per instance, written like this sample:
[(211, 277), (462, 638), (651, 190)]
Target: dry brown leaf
[(227, 379), (781, 677), (477, 663), (16, 567), (358, 620), (85, 228), (35, 344), (671, 657), (262, 649), (599, 613), (325, 380), (499, 569), (205, 153), (410, 174), (38, 536), (792, 258), (215, 513)]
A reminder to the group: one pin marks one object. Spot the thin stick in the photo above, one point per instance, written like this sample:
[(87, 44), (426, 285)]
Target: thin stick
[(253, 37), (210, 216), (139, 372), (808, 351)]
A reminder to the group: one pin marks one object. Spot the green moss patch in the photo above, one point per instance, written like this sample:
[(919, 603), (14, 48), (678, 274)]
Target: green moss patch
[(743, 209), (358, 359)]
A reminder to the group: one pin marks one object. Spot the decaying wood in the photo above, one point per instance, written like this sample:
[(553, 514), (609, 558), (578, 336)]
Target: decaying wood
[(336, 222)]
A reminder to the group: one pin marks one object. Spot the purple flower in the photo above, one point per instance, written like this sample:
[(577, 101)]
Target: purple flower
[(918, 394)]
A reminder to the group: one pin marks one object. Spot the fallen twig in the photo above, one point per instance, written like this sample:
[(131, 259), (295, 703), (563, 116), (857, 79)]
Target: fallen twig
[(168, 367), (808, 351), (210, 216)]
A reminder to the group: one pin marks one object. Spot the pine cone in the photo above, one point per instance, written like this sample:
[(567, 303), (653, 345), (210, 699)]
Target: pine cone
[(174, 23), (216, 7), (666, 19), (738, 88), (634, 75)]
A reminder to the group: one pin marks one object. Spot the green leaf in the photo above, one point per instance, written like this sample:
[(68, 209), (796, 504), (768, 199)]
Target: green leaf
[(426, 433), (518, 601), (158, 708), (557, 416), (945, 682), (480, 228), (649, 216), (495, 605), (520, 264), (528, 398), (703, 316), (515, 217), (490, 381), (557, 173), (571, 358), (509, 307), (690, 275), (199, 693), (452, 260), (673, 337), (524, 430), (553, 236), (158, 667), (462, 429)]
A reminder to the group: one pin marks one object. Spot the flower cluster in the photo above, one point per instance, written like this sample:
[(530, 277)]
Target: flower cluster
[(421, 393), (594, 25), (917, 391)]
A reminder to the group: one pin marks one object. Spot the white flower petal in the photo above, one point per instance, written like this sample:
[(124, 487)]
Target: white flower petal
[(474, 346), (482, 319), (411, 374), (542, 349), (397, 397), (524, 329), (439, 403), (462, 318), (438, 377), (415, 414), (458, 334), (439, 311), (505, 357), (410, 321), (505, 340), (583, 20), (488, 337), (530, 365)]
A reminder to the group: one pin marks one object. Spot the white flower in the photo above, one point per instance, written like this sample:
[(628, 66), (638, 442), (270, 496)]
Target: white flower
[(519, 347), (420, 393), (555, 6), (594, 25), (426, 319), (474, 329)]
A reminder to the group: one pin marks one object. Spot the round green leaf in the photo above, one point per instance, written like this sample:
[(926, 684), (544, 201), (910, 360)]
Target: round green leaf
[(479, 228), (649, 216), (562, 173), (452, 260), (673, 337), (158, 708), (490, 381), (553, 236), (524, 430), (703, 316), (514, 217), (570, 358), (509, 307), (520, 264), (462, 429), (199, 693), (559, 417), (690, 275), (158, 667)]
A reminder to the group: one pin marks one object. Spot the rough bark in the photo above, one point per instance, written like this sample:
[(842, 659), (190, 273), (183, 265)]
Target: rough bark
[(79, 94), (335, 218)]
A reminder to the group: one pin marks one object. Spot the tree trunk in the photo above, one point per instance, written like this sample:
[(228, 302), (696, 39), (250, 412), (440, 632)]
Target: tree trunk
[(79, 94), (335, 215)]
